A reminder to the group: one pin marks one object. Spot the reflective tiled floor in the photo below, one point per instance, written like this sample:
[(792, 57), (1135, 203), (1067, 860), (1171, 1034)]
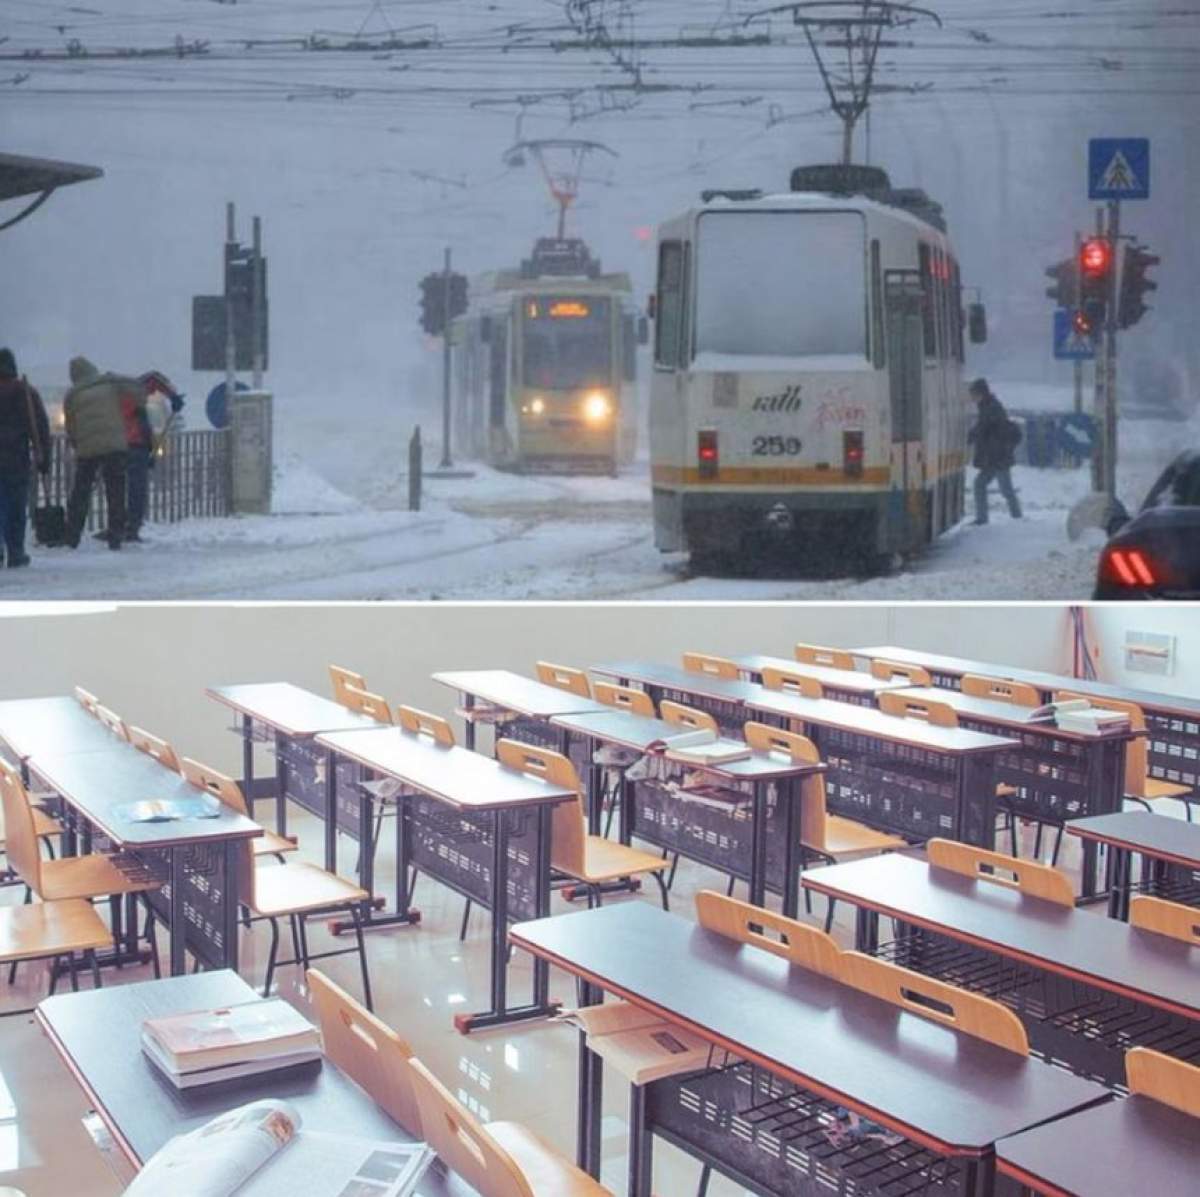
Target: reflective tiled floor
[(422, 976)]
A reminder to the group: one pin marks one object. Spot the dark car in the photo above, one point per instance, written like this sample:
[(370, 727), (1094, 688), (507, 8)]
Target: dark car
[(1156, 555)]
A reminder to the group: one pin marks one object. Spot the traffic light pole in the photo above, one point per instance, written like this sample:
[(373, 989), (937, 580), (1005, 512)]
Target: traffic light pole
[(445, 462), (1099, 401), (1078, 304), (230, 339), (1110, 358)]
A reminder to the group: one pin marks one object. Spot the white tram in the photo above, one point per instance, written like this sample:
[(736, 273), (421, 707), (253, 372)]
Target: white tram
[(808, 359)]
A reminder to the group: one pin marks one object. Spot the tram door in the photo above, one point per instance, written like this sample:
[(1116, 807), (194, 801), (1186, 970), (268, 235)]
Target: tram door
[(497, 433), (903, 298)]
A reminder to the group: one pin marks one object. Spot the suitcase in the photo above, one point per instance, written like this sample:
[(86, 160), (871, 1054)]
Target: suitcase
[(50, 524)]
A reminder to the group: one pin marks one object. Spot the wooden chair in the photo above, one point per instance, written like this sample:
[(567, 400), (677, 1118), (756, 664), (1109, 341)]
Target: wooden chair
[(154, 747), (823, 836), (1165, 918), (589, 859), (299, 890), (563, 677), (54, 931), (831, 658), (498, 1159), (86, 699), (798, 943), (791, 682), (937, 714), (889, 671), (1030, 877), (422, 723), (970, 1013), (680, 716), (226, 790), (366, 1049), (624, 698), (112, 721), (341, 678), (711, 666), (365, 703), (1140, 787), (999, 689), (1162, 1078), (96, 875)]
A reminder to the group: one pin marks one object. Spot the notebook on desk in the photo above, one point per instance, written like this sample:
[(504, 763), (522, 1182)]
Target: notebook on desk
[(170, 810)]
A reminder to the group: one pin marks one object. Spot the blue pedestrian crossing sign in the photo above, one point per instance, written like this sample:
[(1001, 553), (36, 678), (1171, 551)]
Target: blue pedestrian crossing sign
[(1070, 345), (1119, 168)]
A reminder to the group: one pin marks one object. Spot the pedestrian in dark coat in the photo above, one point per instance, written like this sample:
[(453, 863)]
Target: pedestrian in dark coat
[(23, 425), (995, 438)]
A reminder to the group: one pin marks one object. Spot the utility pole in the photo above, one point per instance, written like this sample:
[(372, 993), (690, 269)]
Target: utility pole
[(256, 307), (445, 462), (1078, 304), (230, 339)]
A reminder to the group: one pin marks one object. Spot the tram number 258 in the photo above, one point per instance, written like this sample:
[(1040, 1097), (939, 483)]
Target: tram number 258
[(776, 446)]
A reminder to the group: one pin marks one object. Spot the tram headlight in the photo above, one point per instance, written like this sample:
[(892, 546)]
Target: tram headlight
[(537, 405), (597, 407)]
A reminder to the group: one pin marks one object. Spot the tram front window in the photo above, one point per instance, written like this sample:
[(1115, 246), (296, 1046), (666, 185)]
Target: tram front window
[(781, 284), (567, 342)]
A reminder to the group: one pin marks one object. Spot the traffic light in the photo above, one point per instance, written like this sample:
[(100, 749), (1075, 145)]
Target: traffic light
[(1095, 276), (1134, 285), (458, 294), (433, 304), (1083, 323), (1063, 291)]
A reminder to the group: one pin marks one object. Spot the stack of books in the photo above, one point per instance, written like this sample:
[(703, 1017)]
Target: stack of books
[(204, 1046)]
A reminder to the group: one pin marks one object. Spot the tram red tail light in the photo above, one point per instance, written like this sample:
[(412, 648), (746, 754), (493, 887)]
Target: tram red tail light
[(707, 452), (852, 454), (1129, 567)]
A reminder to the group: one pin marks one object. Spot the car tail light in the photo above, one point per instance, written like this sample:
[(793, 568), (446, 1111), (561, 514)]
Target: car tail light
[(852, 454), (707, 453), (1130, 567)]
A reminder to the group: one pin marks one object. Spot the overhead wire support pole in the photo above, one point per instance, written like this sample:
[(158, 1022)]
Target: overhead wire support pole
[(257, 323), (445, 462), (230, 337)]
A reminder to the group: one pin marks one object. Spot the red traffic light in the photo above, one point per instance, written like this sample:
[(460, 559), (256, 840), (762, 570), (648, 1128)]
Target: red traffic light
[(1083, 324), (1095, 257)]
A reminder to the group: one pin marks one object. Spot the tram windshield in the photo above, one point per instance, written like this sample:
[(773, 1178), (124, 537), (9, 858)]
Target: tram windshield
[(781, 284), (567, 342)]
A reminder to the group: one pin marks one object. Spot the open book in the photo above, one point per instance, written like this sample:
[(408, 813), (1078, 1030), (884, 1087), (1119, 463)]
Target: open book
[(259, 1150), (1077, 714), (701, 747), (640, 1046), (168, 810)]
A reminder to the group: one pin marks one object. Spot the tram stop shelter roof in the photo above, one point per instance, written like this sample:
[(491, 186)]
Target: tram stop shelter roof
[(40, 177)]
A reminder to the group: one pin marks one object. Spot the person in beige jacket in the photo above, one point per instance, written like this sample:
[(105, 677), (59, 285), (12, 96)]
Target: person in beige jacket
[(95, 426)]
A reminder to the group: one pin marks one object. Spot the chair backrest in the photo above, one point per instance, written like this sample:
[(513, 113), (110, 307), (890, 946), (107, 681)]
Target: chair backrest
[(568, 842), (999, 689), (711, 666), (366, 703), (20, 839), (230, 793), (817, 654), (86, 699), (624, 698), (814, 818), (112, 721), (798, 943), (940, 714), (1164, 1078), (981, 864), (564, 677), (366, 1049), (462, 1144), (155, 747), (791, 682), (679, 715), (1166, 918), (425, 724), (889, 671), (968, 1012), (1137, 758), (341, 678)]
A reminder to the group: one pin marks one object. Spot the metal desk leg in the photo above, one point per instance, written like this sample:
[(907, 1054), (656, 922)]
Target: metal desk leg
[(1087, 878), (178, 927), (758, 846), (229, 908), (595, 789), (331, 822), (625, 808), (790, 791), (248, 761), (641, 1144), (280, 786), (866, 930), (469, 729), (590, 1081), (541, 967)]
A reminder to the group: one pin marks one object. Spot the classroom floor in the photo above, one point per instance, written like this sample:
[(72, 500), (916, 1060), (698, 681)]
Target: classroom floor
[(422, 976)]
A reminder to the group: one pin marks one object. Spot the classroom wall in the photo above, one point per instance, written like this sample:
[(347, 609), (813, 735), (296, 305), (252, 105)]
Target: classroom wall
[(1108, 625), (152, 664)]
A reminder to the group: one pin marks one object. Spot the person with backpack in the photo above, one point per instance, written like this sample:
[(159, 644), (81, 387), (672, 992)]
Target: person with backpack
[(24, 432), (995, 438)]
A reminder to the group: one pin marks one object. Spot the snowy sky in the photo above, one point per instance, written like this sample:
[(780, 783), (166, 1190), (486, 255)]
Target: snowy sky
[(334, 150)]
